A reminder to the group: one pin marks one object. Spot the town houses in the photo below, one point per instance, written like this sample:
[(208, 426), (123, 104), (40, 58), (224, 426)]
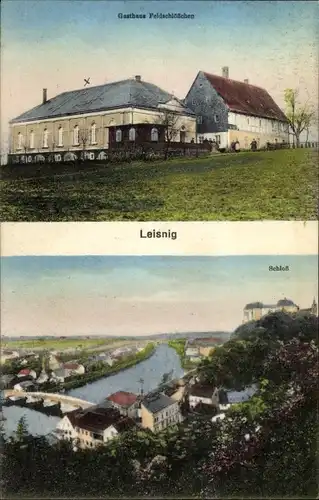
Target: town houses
[(87, 123)]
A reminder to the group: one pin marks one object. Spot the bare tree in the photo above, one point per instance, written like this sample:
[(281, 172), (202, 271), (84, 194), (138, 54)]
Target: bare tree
[(300, 117), (84, 137), (168, 121)]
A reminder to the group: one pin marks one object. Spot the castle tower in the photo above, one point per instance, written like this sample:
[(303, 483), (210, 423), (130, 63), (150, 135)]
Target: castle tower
[(314, 307)]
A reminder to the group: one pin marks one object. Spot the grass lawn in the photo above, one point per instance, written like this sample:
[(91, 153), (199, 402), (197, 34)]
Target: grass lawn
[(277, 185)]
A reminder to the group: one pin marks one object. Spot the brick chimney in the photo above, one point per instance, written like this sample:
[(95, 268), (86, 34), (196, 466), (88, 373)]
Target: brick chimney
[(138, 78), (225, 72), (44, 96), (246, 81)]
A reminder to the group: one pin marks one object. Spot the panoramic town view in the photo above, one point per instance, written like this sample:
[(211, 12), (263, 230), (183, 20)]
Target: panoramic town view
[(159, 127), (196, 378)]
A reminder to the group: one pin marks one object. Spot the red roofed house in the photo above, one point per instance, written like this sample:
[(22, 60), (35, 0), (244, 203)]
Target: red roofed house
[(27, 373), (229, 110), (126, 403)]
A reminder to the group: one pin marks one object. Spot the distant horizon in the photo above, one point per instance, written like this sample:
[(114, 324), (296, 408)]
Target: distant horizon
[(140, 296), (97, 335)]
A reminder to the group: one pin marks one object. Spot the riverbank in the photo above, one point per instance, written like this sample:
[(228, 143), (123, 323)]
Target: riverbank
[(107, 371), (179, 346)]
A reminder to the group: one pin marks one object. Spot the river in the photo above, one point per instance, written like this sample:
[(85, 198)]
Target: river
[(164, 360)]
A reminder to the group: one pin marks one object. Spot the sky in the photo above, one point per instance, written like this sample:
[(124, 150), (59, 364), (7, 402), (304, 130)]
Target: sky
[(141, 295), (55, 44)]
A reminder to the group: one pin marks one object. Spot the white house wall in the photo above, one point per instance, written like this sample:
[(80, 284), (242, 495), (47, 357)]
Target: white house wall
[(257, 125), (109, 433)]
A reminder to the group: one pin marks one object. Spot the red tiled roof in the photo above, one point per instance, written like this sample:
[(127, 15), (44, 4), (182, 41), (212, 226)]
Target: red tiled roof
[(244, 98), (123, 398), (25, 371)]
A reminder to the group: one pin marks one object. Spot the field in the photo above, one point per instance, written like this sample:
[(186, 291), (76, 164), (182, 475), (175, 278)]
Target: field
[(59, 344), (277, 185)]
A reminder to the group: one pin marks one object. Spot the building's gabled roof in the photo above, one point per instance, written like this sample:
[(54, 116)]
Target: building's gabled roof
[(123, 398), (202, 390), (244, 98), (98, 418), (254, 305), (71, 366), (157, 402), (285, 303), (125, 93)]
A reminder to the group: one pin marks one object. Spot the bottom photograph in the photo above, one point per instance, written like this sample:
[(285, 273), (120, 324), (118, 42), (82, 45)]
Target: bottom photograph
[(159, 376)]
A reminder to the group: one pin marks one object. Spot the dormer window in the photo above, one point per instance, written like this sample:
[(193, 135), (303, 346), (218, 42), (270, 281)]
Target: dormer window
[(216, 118), (199, 120)]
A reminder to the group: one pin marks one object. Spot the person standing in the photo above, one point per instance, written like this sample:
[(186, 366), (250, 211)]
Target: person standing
[(253, 145)]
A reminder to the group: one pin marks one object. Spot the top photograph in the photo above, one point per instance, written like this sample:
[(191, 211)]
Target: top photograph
[(159, 110)]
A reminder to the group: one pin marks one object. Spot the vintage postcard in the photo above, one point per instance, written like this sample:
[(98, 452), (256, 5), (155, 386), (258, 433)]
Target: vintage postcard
[(159, 110), (159, 376), (159, 268)]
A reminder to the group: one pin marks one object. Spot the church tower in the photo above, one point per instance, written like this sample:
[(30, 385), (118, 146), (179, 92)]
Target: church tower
[(314, 307)]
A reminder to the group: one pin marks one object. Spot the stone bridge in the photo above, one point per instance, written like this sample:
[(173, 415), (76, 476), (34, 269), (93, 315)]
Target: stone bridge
[(57, 398)]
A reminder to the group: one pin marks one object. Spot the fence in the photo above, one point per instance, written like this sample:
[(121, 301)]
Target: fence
[(116, 153), (286, 145)]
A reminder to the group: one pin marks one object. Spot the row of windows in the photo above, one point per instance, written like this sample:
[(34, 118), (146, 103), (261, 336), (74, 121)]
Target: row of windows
[(167, 413), (81, 136), (251, 121), (76, 137)]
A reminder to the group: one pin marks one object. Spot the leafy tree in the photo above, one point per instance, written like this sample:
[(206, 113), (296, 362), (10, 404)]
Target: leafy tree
[(300, 117)]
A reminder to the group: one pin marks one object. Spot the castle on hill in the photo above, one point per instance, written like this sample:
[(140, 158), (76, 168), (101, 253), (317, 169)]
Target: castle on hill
[(255, 310)]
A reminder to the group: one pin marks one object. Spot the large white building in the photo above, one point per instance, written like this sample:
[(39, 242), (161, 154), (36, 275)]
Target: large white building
[(88, 122)]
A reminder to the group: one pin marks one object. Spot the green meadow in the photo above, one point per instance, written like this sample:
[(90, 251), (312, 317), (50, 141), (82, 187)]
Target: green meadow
[(275, 185)]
